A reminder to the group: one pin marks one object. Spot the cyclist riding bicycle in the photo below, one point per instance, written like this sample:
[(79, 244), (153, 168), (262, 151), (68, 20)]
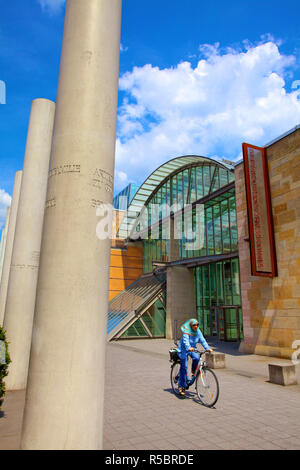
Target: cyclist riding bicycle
[(187, 345)]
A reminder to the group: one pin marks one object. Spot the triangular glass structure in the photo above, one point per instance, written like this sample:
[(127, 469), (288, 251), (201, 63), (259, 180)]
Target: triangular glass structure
[(133, 303)]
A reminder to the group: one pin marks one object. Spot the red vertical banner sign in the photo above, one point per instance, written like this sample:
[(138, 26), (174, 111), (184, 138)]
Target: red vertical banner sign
[(260, 218)]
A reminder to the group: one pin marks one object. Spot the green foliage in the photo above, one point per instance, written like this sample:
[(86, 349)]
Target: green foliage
[(3, 367)]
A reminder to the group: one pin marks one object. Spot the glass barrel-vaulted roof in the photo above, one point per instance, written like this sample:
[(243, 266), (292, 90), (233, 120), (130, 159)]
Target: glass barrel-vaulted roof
[(154, 180)]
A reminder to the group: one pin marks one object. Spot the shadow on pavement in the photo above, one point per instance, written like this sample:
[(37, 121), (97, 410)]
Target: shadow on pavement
[(230, 347), (188, 396), (170, 391)]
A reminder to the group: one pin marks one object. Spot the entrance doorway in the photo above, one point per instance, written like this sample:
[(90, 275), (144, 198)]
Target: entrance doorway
[(218, 299), (226, 322)]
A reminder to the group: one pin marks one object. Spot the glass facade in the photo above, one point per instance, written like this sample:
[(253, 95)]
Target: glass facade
[(217, 284), (203, 229), (219, 232), (189, 218), (155, 250), (188, 186)]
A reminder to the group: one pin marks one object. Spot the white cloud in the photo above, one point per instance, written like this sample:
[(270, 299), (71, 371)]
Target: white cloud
[(122, 176), (52, 6), (229, 97), (5, 201), (123, 48)]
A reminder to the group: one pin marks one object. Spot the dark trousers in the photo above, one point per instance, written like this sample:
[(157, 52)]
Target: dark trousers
[(183, 372)]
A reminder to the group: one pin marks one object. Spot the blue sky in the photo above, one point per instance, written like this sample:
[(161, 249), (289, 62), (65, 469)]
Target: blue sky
[(195, 77)]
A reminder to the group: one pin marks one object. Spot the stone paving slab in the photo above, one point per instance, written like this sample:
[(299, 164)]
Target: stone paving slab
[(142, 413)]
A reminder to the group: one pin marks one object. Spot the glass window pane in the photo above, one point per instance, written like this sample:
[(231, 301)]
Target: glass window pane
[(217, 228), (137, 329), (210, 232), (206, 293), (230, 321), (206, 179), (199, 182), (158, 251), (206, 321), (168, 186), (149, 256), (216, 182), (178, 233), (227, 283), (188, 233), (186, 185), (230, 177), (223, 177), (179, 190), (235, 273), (153, 247), (196, 229), (158, 316), (159, 196), (220, 290), (183, 241), (163, 202), (225, 226), (212, 282), (193, 194), (233, 224), (174, 189)]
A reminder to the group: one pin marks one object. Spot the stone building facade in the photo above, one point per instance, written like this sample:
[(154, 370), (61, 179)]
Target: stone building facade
[(271, 306)]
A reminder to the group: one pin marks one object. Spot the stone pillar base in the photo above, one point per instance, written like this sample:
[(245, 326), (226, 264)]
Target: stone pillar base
[(216, 361), (283, 374)]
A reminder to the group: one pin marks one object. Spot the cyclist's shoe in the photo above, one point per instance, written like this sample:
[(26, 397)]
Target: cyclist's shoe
[(181, 391)]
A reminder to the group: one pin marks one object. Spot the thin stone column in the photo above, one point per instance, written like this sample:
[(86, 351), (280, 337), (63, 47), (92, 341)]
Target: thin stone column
[(4, 240), (9, 243), (21, 292), (65, 393)]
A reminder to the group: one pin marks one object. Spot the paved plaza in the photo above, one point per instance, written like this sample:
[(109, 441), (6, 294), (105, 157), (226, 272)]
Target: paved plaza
[(141, 412)]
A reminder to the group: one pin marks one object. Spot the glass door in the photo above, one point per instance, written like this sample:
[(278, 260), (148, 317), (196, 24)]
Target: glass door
[(230, 323), (218, 299)]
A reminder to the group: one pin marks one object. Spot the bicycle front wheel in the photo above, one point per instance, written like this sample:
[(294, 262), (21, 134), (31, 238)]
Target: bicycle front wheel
[(207, 387), (175, 376)]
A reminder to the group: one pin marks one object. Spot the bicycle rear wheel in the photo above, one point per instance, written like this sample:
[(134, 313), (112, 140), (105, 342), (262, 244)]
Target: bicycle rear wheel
[(207, 387), (175, 376)]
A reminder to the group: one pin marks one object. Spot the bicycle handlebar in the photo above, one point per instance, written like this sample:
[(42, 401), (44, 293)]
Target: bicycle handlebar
[(197, 350), (201, 352)]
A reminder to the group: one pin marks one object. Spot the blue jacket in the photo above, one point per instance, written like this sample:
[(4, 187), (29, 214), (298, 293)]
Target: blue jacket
[(188, 341)]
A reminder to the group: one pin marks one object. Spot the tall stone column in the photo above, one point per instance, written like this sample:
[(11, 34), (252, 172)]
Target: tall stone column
[(4, 240), (9, 243), (181, 298), (21, 292), (65, 393)]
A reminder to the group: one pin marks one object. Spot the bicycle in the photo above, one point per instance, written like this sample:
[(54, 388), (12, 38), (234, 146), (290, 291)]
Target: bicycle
[(206, 382)]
